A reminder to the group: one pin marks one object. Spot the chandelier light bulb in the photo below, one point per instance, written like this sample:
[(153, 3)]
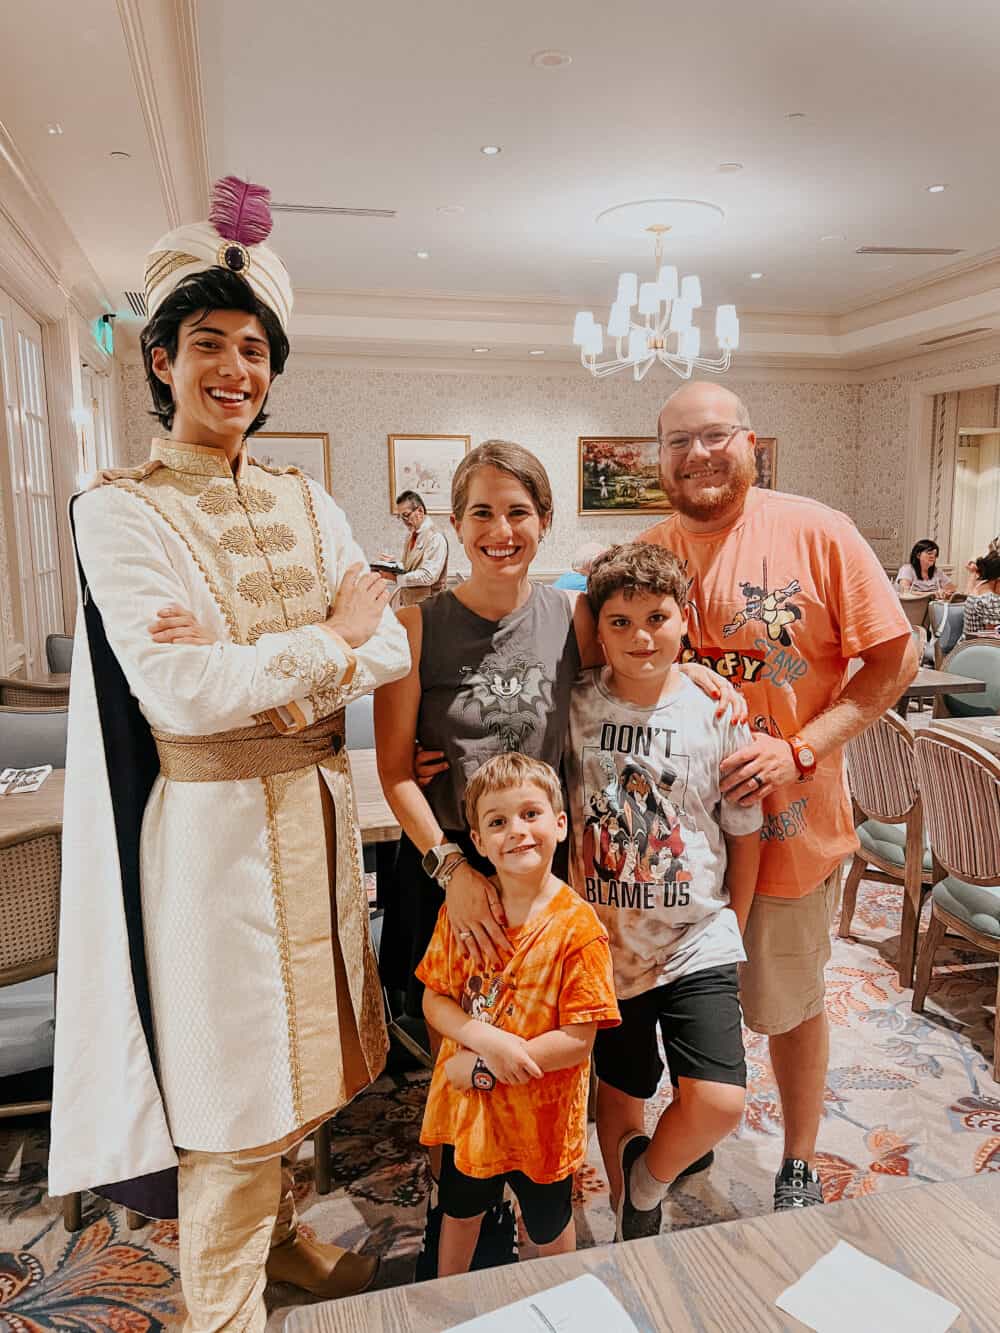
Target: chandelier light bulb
[(594, 342), (690, 342), (691, 291), (667, 282), (582, 325), (727, 327), (680, 316), (649, 299), (628, 289), (638, 345), (619, 321)]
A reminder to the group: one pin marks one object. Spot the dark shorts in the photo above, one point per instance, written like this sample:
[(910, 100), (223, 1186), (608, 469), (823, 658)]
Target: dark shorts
[(699, 1017), (546, 1209)]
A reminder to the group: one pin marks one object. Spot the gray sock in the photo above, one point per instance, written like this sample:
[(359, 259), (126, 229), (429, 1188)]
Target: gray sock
[(644, 1188)]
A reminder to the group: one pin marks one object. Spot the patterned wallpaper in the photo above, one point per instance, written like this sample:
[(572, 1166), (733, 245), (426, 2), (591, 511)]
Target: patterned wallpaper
[(815, 424)]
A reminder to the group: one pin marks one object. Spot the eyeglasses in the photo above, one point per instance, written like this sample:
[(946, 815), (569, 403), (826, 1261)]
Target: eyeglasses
[(403, 514), (713, 438)]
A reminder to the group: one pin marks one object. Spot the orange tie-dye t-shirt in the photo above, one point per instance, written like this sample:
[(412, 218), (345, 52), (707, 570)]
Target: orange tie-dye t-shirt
[(560, 974), (781, 601)]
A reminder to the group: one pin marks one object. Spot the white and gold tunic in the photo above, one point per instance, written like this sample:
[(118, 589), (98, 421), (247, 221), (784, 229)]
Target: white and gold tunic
[(265, 998)]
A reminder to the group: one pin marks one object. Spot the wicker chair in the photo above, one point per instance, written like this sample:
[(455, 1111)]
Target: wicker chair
[(59, 653), (883, 782), (32, 736), (960, 784), (15, 693), (30, 864)]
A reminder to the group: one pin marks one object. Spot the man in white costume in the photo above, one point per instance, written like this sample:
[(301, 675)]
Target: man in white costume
[(218, 997)]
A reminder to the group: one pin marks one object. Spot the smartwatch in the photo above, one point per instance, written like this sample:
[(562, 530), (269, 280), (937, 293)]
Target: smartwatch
[(483, 1078), (804, 756), (434, 860)]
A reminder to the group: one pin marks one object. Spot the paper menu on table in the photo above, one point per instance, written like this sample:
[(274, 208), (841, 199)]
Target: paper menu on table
[(13, 780), (847, 1289), (584, 1305)]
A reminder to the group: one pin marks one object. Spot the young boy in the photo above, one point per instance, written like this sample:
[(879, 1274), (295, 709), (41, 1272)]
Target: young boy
[(508, 1098), (646, 740)]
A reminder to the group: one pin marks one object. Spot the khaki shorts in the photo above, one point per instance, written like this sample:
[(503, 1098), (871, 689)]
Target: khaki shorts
[(787, 942)]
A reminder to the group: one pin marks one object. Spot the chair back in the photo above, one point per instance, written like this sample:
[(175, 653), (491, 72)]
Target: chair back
[(30, 737), (59, 653), (920, 642), (916, 607), (951, 625), (979, 659), (880, 770), (960, 789), (359, 724), (29, 903), (15, 693)]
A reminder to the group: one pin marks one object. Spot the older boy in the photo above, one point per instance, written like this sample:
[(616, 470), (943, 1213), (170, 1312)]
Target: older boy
[(648, 741), (509, 1093)]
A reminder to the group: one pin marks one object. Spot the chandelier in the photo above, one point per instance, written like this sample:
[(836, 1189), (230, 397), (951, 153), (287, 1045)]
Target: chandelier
[(653, 321)]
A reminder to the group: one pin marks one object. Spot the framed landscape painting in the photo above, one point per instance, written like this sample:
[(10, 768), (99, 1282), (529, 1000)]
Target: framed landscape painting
[(620, 474), (308, 451), (425, 464), (767, 463)]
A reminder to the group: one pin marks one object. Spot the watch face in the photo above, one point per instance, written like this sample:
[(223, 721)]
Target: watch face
[(806, 756), (483, 1080)]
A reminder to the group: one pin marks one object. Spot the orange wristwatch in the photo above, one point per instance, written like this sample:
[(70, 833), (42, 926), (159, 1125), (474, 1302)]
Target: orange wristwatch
[(804, 756)]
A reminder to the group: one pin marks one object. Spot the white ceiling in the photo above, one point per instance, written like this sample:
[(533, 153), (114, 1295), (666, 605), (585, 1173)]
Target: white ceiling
[(386, 106)]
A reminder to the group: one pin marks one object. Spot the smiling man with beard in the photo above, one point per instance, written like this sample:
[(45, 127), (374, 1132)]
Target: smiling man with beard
[(838, 605)]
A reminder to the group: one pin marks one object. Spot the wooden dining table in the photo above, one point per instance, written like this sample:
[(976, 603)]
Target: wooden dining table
[(725, 1277), (984, 731), (929, 684), (23, 812)]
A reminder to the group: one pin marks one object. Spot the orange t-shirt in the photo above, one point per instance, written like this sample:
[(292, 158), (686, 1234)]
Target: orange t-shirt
[(781, 601), (560, 974)]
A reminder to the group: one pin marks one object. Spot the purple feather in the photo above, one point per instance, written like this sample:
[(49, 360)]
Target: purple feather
[(240, 211)]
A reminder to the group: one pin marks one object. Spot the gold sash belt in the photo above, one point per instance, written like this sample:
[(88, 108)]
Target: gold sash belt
[(247, 752)]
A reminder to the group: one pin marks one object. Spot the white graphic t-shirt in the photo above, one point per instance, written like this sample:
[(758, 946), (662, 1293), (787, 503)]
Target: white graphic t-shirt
[(648, 822)]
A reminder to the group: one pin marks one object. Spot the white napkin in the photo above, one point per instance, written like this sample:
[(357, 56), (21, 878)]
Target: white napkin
[(850, 1290)]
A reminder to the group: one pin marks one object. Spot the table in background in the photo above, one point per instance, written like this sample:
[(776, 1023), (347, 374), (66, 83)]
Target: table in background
[(716, 1279), (929, 684), (35, 809), (984, 731)]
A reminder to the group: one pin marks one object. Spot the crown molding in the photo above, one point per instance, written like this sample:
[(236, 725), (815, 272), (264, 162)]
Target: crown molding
[(161, 38)]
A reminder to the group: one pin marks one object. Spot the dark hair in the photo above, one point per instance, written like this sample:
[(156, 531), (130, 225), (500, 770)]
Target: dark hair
[(214, 289), (917, 552), (988, 565), (636, 567), (410, 498)]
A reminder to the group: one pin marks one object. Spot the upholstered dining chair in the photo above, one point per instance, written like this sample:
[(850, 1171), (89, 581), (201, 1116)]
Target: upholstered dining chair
[(883, 782), (17, 693), (29, 907), (947, 620), (59, 653), (33, 736), (979, 659), (960, 786), (916, 607)]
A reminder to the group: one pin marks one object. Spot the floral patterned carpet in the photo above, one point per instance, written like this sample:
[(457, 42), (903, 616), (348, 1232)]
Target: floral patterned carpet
[(909, 1099)]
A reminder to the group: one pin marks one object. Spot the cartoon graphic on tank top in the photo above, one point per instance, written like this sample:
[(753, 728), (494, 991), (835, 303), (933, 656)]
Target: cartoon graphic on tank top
[(512, 696)]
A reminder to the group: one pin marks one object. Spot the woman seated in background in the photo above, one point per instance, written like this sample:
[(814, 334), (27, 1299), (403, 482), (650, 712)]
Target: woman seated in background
[(982, 606), (922, 575)]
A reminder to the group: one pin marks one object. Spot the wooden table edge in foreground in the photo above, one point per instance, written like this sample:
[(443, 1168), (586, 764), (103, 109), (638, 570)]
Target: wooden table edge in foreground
[(725, 1278)]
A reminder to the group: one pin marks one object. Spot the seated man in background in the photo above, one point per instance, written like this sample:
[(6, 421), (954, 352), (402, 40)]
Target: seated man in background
[(425, 552)]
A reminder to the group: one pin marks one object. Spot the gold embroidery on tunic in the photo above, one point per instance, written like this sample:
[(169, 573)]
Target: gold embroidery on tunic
[(219, 500), (256, 587), (317, 541), (277, 625), (304, 661), (267, 539), (223, 603), (256, 500), (273, 790), (292, 581)]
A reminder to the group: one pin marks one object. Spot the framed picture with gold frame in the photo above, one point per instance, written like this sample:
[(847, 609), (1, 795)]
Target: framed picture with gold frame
[(309, 451), (767, 463), (425, 464), (620, 474)]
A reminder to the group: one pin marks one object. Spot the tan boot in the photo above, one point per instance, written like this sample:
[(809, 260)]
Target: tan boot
[(327, 1271)]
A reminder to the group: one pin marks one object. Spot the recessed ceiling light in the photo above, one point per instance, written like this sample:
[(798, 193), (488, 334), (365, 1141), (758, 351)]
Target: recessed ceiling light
[(490, 149), (480, 349), (451, 210), (834, 236), (936, 189), (54, 128), (730, 166), (423, 254), (795, 115), (755, 276), (551, 59), (119, 155), (537, 351), (598, 261)]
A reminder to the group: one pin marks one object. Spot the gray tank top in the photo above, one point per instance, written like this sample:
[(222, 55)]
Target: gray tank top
[(493, 685)]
